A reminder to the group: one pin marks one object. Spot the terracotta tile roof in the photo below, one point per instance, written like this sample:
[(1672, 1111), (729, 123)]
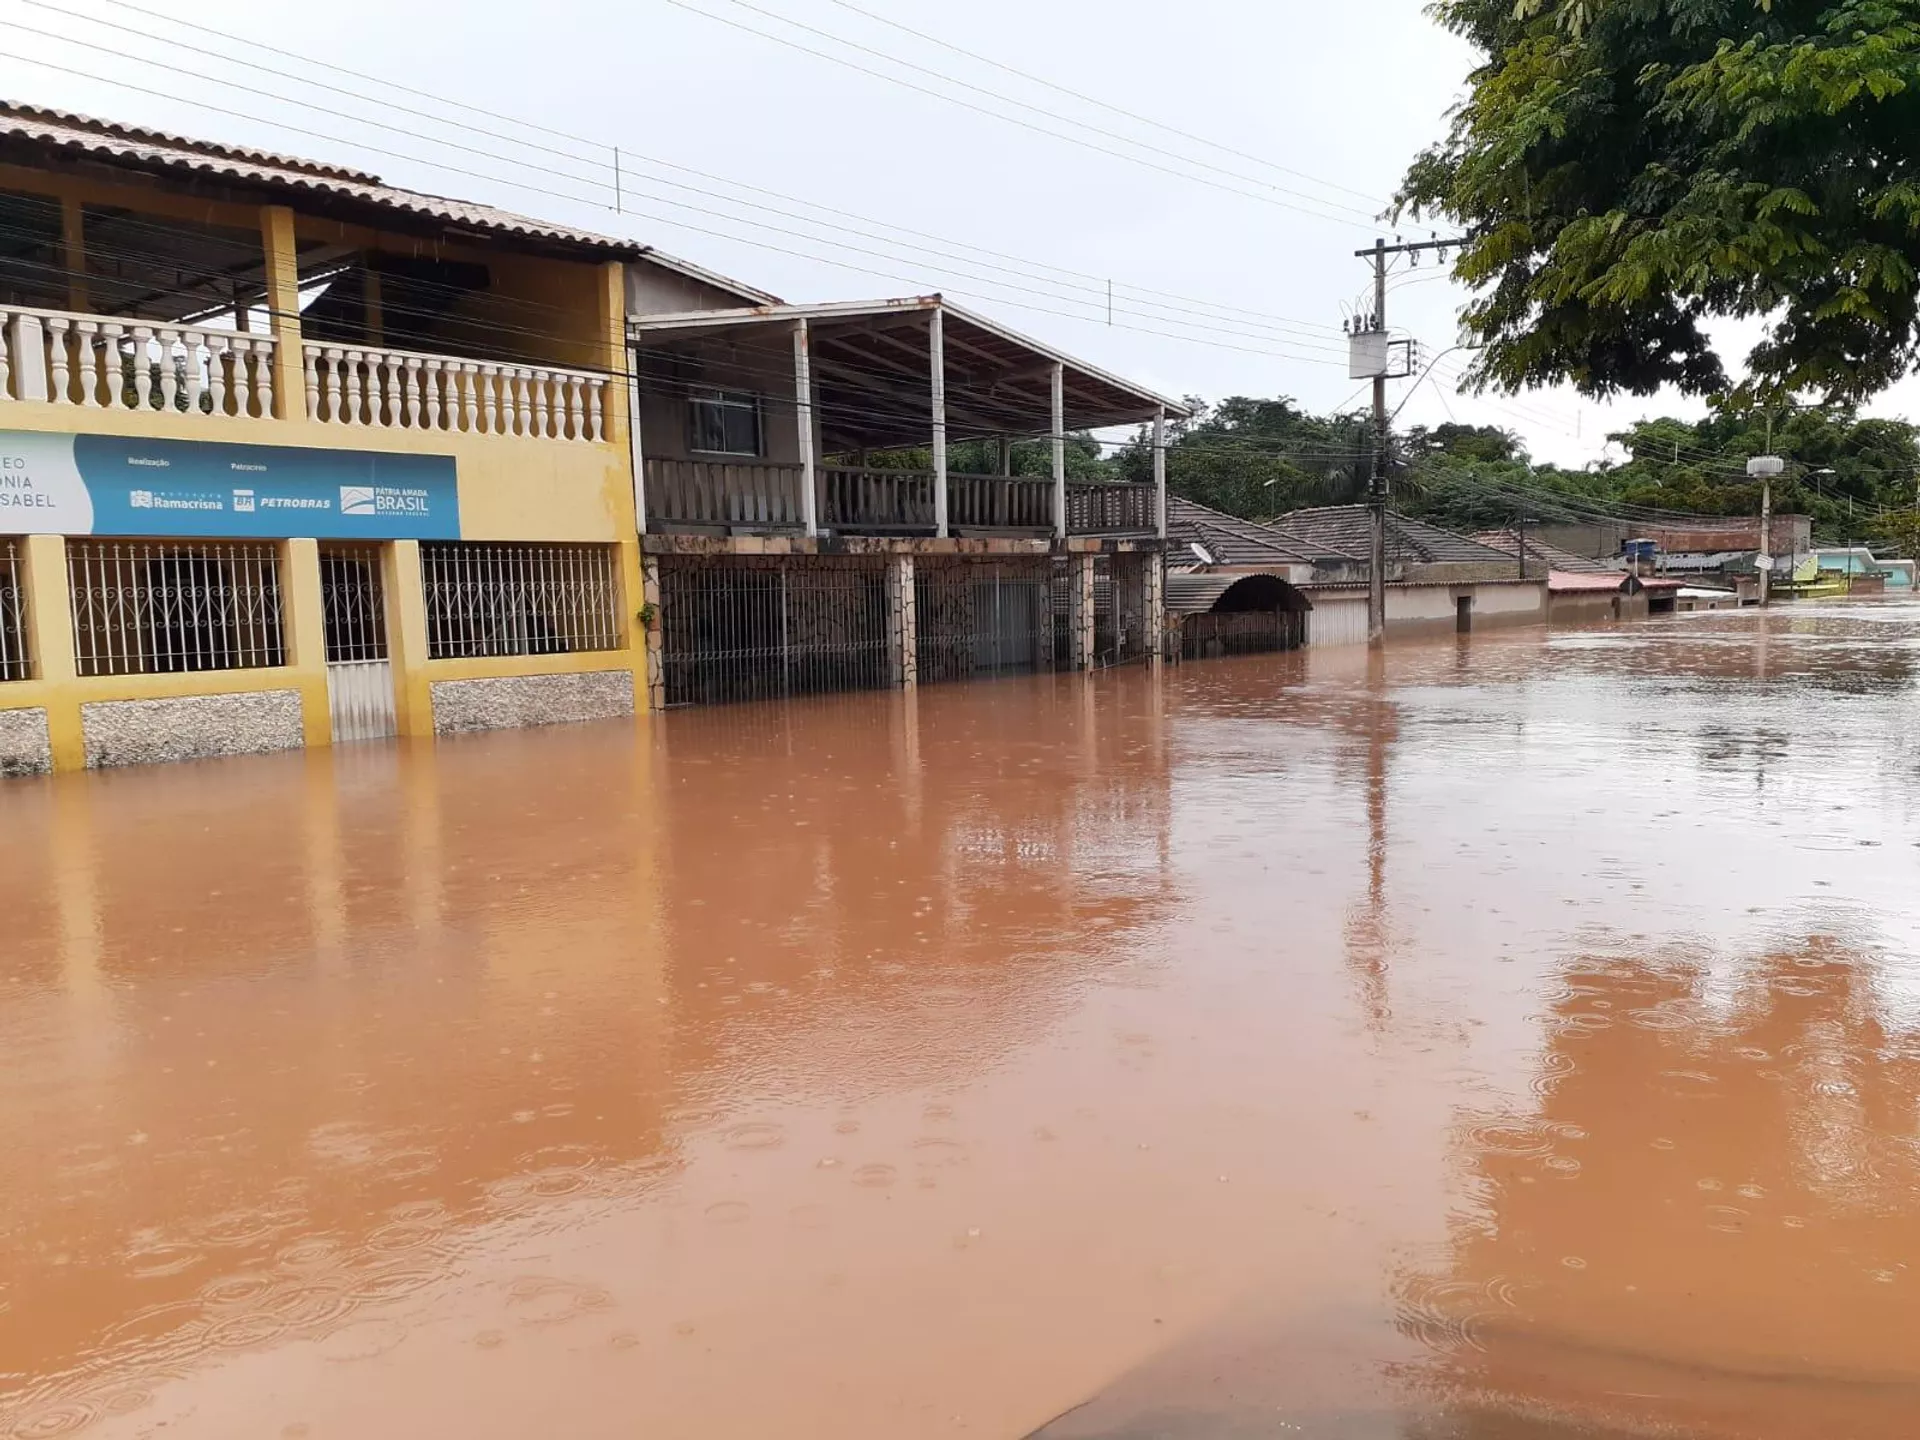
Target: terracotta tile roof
[(156, 150), (1233, 541), (1349, 528)]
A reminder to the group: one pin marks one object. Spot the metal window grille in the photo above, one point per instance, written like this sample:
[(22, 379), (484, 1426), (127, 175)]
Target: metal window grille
[(353, 599), (982, 617), (1106, 624), (143, 607), (14, 661), (746, 631), (504, 599)]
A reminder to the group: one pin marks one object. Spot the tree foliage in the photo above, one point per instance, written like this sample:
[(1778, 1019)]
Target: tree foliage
[(1260, 458), (1257, 458), (1628, 170)]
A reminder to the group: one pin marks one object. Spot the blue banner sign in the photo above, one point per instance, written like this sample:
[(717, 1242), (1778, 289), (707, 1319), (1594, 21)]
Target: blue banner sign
[(113, 485)]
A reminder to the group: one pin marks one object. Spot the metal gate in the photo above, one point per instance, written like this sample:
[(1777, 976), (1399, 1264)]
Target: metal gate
[(761, 630), (981, 617), (359, 672)]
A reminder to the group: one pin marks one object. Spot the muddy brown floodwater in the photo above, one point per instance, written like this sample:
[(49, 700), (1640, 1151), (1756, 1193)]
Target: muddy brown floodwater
[(1517, 1037)]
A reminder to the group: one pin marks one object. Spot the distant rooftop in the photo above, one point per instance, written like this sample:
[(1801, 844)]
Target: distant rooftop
[(1551, 556), (1349, 528), (1229, 540)]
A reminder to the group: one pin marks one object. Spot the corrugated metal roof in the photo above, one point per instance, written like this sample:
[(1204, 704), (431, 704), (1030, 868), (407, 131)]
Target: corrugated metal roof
[(1196, 593), (1094, 397), (156, 150), (1233, 541), (1349, 527)]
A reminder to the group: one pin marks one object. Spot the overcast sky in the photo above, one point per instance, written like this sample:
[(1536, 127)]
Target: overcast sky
[(1231, 271)]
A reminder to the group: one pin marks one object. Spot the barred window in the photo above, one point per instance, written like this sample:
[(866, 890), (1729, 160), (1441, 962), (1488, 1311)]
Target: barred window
[(13, 628), (148, 607), (504, 599)]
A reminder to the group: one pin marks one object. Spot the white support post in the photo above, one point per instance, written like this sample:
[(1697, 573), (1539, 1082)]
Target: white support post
[(937, 364), (803, 414), (1160, 472), (1059, 451), (634, 448)]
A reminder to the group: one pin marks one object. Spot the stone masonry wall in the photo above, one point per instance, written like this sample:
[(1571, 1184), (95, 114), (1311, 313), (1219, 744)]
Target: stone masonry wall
[(194, 727), (25, 747), (511, 701)]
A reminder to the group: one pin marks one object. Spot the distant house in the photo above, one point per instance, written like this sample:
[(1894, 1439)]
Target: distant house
[(1582, 590), (1689, 598), (1235, 587), (1856, 562), (1437, 582)]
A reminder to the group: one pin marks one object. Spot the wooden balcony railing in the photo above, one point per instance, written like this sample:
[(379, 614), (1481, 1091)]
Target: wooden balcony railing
[(1101, 509), (724, 494), (887, 502), (92, 362), (1000, 502), (756, 496)]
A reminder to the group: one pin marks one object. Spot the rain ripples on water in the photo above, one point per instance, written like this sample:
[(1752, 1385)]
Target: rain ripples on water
[(1499, 1039)]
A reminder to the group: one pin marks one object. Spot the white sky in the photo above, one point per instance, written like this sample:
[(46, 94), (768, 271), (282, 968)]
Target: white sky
[(1343, 92)]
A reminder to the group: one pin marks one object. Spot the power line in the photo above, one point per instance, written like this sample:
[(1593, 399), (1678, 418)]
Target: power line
[(1099, 282), (1102, 104), (1249, 328), (698, 229), (1013, 120)]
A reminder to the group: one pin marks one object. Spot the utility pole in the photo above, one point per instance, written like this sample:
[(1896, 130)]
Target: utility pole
[(1377, 485), (1763, 468), (1367, 351)]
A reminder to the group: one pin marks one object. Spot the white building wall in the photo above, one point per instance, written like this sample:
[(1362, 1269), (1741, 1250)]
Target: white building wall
[(1511, 602)]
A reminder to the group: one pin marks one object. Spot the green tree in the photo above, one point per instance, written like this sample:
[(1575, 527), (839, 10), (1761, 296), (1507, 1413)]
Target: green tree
[(1257, 458), (1628, 170)]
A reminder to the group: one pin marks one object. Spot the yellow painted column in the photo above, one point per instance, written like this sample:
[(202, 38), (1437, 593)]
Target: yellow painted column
[(49, 621), (283, 312), (406, 602), (304, 615), (634, 635)]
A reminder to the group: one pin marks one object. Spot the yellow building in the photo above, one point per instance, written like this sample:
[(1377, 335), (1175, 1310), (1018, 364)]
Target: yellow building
[(290, 456)]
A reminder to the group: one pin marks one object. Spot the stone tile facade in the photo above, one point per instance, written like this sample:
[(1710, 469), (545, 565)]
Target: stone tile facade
[(25, 746), (460, 706), (196, 727), (1080, 608), (902, 622)]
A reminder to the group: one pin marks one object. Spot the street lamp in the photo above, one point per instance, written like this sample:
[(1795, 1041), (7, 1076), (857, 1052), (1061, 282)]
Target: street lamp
[(1763, 468)]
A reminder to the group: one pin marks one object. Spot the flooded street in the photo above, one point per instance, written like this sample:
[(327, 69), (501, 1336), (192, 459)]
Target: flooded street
[(1495, 1040)]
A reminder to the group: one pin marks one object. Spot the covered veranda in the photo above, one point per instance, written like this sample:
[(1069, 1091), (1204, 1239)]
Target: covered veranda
[(1236, 613), (809, 420)]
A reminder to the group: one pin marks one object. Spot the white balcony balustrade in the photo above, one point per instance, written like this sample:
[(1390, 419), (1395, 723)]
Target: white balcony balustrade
[(92, 362), (399, 390)]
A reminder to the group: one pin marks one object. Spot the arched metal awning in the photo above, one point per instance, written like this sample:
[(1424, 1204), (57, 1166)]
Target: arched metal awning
[(1211, 591)]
